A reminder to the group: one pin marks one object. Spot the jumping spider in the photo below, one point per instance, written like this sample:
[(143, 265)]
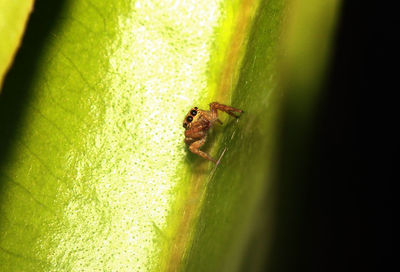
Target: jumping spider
[(197, 122)]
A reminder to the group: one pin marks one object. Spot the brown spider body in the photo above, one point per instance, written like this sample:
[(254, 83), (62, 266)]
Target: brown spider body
[(197, 123)]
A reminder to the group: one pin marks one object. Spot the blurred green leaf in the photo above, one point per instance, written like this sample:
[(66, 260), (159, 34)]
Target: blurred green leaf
[(96, 175), (13, 18)]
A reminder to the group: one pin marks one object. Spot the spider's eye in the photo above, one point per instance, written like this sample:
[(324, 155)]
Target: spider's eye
[(189, 119), (195, 108), (193, 112), (184, 125)]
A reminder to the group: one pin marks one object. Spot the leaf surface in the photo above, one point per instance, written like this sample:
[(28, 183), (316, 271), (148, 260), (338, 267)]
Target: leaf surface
[(94, 173), (13, 18)]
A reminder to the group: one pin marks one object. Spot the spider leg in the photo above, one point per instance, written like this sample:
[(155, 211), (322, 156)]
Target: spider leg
[(214, 106), (195, 148)]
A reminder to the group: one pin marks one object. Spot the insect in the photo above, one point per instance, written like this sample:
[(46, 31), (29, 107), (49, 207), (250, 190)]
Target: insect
[(197, 123)]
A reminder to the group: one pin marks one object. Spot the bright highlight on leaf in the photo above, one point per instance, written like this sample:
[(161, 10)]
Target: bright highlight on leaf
[(153, 75)]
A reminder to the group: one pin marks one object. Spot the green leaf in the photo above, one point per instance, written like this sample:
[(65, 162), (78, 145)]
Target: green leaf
[(13, 18), (94, 173)]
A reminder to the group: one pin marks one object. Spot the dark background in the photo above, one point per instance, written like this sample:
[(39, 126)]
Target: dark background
[(336, 187)]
